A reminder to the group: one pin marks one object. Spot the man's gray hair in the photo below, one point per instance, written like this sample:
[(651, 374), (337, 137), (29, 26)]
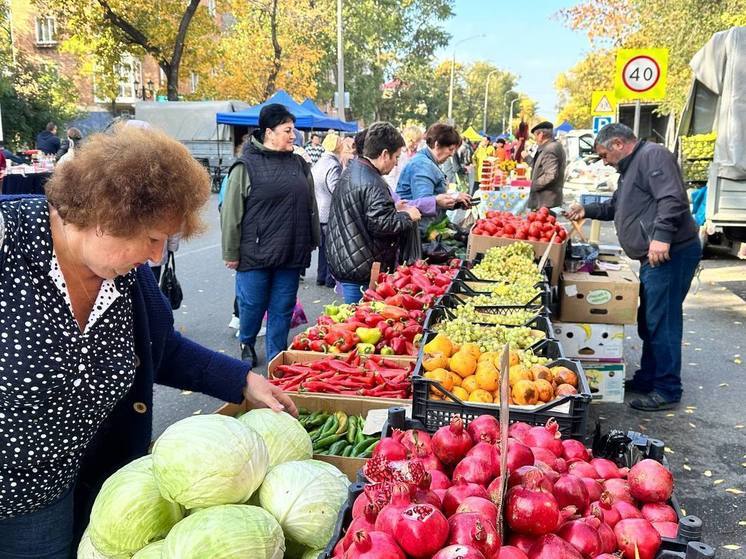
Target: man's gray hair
[(615, 130)]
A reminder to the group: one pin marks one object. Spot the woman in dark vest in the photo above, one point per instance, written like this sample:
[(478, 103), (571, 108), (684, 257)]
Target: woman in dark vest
[(270, 226)]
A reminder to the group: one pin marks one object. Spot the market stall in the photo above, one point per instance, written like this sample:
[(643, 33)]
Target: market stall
[(28, 178)]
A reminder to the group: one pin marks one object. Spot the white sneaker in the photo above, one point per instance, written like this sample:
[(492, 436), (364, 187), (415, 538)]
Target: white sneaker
[(235, 323)]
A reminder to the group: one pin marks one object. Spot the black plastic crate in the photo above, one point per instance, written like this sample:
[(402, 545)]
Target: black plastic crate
[(460, 286), (631, 447), (573, 423), (453, 300)]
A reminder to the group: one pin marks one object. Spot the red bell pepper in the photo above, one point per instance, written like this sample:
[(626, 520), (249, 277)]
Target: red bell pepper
[(371, 295), (318, 346), (394, 313), (411, 331), (410, 303), (385, 290)]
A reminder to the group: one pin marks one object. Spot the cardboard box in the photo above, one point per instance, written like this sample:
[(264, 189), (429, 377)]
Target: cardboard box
[(608, 297), (481, 243), (606, 380), (351, 406), (595, 342)]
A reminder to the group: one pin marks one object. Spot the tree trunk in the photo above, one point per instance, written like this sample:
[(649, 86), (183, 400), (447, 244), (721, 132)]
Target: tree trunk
[(273, 73)]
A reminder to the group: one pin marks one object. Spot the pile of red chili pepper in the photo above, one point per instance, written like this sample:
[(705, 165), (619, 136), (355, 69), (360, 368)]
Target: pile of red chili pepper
[(373, 376), (425, 282)]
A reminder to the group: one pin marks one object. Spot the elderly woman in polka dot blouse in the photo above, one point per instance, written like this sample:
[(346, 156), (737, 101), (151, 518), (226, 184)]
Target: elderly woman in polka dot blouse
[(85, 331)]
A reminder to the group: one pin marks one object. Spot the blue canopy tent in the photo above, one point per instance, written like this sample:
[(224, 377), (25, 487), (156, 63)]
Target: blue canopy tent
[(344, 126), (311, 106), (564, 127), (305, 118)]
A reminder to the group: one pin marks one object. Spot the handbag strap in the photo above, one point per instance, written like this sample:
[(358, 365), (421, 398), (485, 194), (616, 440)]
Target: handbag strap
[(171, 261)]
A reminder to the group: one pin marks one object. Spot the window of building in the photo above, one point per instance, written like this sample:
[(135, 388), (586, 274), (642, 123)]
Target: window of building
[(193, 82), (45, 31)]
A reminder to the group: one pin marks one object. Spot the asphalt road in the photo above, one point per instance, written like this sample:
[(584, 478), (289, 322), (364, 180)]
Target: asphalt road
[(705, 437)]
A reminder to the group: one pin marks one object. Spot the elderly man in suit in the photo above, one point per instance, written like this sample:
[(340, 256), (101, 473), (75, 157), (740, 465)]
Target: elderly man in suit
[(548, 171)]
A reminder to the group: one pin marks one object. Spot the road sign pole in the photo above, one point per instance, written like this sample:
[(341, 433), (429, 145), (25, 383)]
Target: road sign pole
[(636, 125)]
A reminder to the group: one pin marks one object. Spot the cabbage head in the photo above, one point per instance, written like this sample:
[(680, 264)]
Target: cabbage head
[(150, 551), (129, 511), (312, 554), (332, 469), (86, 549), (226, 532), (285, 437), (305, 498), (208, 460)]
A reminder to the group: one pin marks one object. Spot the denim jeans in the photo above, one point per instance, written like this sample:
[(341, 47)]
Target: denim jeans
[(323, 273), (352, 292), (44, 534), (270, 290), (660, 321)]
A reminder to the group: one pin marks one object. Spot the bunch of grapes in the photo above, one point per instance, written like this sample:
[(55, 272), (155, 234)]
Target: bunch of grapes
[(489, 338), (513, 262), (470, 312), (518, 292)]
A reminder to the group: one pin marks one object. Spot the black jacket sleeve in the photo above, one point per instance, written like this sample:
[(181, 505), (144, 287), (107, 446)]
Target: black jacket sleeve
[(381, 216), (603, 211), (667, 187)]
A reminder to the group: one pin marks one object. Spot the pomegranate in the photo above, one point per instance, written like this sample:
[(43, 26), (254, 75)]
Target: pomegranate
[(451, 443), (456, 494), (582, 535), (637, 532), (484, 428), (367, 522), (373, 545), (610, 515), (548, 472), (473, 470), (547, 436), (619, 490), (516, 477), (650, 482), (608, 470), (593, 487), (421, 531), (482, 506), (438, 480), (471, 528), (427, 496), (574, 450), (544, 455), (518, 430), (458, 552), (417, 443), (389, 515), (551, 546), (560, 464), (487, 452), (518, 455), (430, 462), (339, 550), (529, 509), (522, 541), (607, 538), (627, 510), (510, 552), (570, 491), (582, 469), (659, 512), (667, 529), (607, 556), (390, 449), (377, 495)]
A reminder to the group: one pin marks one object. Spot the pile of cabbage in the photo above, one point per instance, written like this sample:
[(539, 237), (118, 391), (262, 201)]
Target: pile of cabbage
[(219, 487)]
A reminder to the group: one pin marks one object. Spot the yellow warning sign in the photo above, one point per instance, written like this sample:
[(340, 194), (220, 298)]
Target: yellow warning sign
[(603, 103), (641, 74)]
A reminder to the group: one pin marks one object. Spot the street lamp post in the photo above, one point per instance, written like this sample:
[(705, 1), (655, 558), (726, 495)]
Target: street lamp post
[(453, 67), (510, 120), (340, 65), (505, 100), (486, 94), (142, 93)]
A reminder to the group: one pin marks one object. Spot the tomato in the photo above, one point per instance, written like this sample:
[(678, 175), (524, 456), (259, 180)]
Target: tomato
[(521, 235), (551, 218), (534, 229), (531, 216), (490, 227), (509, 229), (544, 211), (492, 214), (533, 238)]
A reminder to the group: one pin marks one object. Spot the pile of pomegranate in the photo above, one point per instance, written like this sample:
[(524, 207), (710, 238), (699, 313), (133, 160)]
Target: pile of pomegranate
[(436, 496)]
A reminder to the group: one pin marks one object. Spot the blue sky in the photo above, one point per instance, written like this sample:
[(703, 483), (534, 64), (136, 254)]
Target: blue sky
[(522, 37)]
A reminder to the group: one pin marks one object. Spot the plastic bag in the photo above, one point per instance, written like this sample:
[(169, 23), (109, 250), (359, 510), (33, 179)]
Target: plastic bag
[(169, 284)]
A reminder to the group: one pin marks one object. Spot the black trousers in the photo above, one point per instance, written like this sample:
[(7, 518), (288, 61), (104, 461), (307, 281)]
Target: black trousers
[(323, 274)]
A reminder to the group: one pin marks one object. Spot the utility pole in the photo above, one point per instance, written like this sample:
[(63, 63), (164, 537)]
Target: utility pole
[(340, 65), (453, 70), (486, 95)]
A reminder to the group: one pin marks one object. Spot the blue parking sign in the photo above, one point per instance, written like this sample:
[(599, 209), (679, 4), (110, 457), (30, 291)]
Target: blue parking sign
[(601, 121)]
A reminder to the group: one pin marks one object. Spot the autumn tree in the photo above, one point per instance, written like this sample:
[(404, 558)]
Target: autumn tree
[(266, 45), (107, 30), (574, 87)]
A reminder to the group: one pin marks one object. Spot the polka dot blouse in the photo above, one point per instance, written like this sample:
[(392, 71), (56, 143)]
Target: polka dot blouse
[(57, 384)]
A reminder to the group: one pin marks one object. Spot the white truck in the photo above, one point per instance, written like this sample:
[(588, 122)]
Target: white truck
[(717, 104)]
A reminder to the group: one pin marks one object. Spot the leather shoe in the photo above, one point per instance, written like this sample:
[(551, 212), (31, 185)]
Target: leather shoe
[(248, 354), (634, 385), (653, 402)]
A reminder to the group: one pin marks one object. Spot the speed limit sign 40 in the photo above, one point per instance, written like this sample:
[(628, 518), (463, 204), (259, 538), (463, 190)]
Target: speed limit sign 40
[(641, 74)]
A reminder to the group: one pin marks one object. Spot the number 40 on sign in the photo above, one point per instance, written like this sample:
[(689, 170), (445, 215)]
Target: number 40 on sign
[(641, 74)]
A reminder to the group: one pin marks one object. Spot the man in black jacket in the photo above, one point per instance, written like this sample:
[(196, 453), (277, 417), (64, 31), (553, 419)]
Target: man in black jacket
[(47, 140), (654, 224), (364, 222)]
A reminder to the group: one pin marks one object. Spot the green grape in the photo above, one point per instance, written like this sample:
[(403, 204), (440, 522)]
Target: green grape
[(490, 338)]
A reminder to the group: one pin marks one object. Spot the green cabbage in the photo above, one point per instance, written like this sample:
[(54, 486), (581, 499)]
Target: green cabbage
[(312, 554), (129, 511), (285, 437), (86, 549), (150, 551), (208, 460), (336, 472), (305, 498), (226, 532)]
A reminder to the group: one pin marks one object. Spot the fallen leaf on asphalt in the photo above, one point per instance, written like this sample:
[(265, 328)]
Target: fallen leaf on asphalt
[(197, 412), (739, 426), (732, 547), (707, 473), (668, 450), (718, 481), (692, 364), (317, 301), (670, 415), (642, 427), (742, 522), (743, 464), (737, 361), (186, 392), (692, 425), (687, 344), (687, 467), (734, 491), (689, 411), (697, 349)]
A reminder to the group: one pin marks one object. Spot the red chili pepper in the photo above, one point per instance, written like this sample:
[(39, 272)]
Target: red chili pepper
[(385, 290), (410, 303), (402, 282), (290, 370), (411, 331), (409, 348), (394, 313), (371, 295), (316, 386), (342, 367), (373, 320)]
